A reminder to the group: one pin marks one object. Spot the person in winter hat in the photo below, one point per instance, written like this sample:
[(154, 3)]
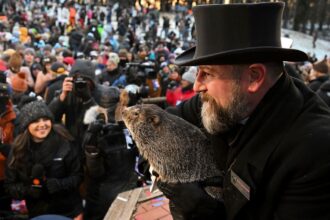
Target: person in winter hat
[(185, 91), (19, 86), (15, 66), (112, 75), (78, 93), (43, 167), (32, 111), (60, 72), (47, 76)]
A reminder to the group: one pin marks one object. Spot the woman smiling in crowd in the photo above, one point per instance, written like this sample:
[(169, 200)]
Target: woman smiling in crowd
[(43, 167)]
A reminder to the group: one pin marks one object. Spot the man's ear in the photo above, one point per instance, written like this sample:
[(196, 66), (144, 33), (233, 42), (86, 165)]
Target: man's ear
[(257, 74)]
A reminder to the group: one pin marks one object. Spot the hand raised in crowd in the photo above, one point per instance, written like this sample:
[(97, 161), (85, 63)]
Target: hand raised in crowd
[(67, 87)]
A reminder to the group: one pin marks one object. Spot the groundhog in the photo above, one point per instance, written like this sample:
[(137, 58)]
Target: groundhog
[(177, 150)]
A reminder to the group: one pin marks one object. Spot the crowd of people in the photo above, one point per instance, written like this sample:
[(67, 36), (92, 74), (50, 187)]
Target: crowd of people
[(67, 69)]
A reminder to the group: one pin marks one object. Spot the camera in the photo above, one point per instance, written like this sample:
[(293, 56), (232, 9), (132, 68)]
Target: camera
[(79, 82)]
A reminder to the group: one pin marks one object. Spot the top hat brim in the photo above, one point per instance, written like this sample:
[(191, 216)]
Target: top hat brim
[(246, 55)]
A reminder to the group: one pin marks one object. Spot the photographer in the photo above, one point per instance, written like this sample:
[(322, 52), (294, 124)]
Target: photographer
[(77, 95), (109, 155)]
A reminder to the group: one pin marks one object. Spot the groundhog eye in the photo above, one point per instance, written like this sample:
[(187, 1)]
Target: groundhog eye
[(136, 114)]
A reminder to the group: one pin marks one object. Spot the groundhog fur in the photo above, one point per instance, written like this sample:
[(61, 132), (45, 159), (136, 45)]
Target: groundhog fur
[(177, 150)]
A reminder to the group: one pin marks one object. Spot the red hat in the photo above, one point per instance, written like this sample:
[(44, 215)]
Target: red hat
[(68, 61), (19, 82)]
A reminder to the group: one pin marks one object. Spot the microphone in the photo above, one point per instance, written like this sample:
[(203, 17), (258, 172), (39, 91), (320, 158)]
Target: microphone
[(38, 175)]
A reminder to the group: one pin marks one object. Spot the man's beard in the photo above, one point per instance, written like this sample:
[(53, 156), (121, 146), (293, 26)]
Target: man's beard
[(219, 119)]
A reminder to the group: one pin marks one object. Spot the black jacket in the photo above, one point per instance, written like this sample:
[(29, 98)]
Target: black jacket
[(324, 92), (59, 160), (54, 88), (278, 164)]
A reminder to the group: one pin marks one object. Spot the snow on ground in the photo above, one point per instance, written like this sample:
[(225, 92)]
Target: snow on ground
[(301, 41), (304, 43)]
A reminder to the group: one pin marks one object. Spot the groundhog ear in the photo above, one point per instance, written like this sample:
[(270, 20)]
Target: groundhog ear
[(155, 120)]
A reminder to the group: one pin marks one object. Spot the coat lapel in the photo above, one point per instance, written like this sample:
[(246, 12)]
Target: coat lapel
[(259, 138)]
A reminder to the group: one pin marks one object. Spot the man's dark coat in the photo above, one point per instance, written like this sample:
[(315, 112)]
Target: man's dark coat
[(278, 164)]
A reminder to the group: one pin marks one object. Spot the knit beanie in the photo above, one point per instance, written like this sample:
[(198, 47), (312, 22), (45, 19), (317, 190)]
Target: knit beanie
[(30, 50), (190, 75), (19, 82), (15, 62), (84, 68), (33, 111), (321, 66)]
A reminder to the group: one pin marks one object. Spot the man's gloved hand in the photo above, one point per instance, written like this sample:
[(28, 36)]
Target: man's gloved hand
[(53, 185), (190, 201)]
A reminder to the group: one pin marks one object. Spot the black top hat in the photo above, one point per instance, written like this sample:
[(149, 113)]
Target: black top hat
[(238, 33)]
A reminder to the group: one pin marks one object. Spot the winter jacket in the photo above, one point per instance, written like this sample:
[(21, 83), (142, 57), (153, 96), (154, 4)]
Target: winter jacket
[(59, 160), (53, 89), (112, 78), (74, 109), (277, 165), (324, 92)]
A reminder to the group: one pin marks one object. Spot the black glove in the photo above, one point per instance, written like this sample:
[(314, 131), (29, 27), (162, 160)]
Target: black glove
[(190, 201), (92, 133), (53, 185)]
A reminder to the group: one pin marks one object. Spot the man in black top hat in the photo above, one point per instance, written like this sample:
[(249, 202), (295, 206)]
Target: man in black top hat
[(270, 132)]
